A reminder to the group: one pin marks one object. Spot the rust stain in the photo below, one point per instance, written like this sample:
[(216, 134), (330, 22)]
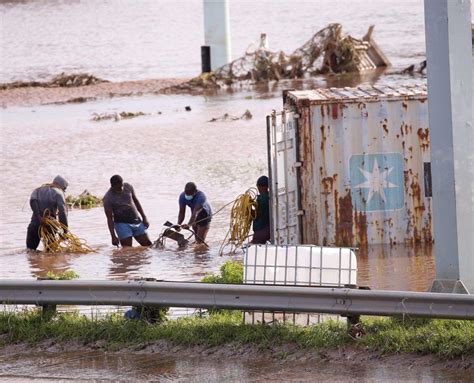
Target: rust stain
[(344, 222), (423, 138), (360, 221), (384, 126), (427, 230), (416, 215), (322, 111), (406, 180), (327, 185), (334, 111), (404, 105), (306, 154), (323, 137), (415, 193)]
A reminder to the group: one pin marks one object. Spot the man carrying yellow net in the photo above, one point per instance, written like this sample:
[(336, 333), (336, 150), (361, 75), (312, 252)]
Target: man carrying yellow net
[(47, 202)]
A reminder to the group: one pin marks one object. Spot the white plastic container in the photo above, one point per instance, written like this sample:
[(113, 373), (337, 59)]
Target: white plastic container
[(302, 265), (299, 265)]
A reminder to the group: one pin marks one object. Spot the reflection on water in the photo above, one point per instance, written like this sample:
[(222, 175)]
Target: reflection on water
[(94, 365), (126, 262), (396, 267)]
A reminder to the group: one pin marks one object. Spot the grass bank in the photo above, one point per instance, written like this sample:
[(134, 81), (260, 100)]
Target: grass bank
[(445, 339)]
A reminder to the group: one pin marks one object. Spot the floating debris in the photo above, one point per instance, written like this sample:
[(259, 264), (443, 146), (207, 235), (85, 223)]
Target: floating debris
[(62, 80), (67, 275), (116, 116), (415, 69), (328, 51), (83, 200), (227, 117), (76, 100)]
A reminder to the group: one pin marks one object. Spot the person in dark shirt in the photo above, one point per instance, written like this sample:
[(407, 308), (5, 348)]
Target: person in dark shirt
[(201, 211), (121, 208), (261, 224), (46, 200)]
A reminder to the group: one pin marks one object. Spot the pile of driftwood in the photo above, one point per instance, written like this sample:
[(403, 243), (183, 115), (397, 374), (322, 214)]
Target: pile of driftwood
[(62, 80), (329, 50)]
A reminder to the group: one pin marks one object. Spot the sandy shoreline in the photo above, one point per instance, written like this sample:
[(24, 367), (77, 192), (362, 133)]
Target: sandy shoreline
[(29, 96)]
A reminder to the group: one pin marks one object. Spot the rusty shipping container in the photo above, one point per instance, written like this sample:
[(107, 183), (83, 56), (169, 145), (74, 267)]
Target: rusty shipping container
[(351, 166)]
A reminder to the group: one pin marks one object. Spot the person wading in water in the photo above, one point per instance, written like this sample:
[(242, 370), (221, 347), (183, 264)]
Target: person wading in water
[(48, 199), (121, 208), (261, 224), (201, 211)]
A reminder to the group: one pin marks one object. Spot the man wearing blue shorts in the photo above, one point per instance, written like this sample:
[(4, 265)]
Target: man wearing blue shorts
[(121, 207), (201, 211)]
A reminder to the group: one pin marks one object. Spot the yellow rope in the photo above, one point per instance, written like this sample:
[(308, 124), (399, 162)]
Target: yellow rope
[(244, 211), (57, 238)]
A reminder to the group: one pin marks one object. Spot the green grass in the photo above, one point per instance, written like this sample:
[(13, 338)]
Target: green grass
[(443, 338)]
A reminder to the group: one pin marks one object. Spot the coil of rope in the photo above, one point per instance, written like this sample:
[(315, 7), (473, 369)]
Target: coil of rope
[(243, 212), (57, 238)]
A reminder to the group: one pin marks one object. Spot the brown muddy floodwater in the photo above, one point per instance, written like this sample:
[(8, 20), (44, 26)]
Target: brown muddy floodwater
[(157, 154), (137, 366)]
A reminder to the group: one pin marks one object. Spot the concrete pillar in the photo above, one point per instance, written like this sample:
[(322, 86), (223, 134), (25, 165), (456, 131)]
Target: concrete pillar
[(449, 65), (217, 31)]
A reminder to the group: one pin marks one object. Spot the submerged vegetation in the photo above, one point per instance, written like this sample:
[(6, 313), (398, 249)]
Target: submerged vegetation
[(116, 116), (64, 276), (83, 200), (230, 272), (446, 339)]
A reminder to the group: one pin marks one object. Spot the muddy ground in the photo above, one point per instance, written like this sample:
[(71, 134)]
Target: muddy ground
[(28, 96), (286, 353)]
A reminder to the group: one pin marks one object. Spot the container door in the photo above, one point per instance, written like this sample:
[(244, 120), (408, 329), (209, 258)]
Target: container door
[(284, 174)]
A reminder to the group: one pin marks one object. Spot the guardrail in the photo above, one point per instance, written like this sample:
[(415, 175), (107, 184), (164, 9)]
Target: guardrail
[(342, 301)]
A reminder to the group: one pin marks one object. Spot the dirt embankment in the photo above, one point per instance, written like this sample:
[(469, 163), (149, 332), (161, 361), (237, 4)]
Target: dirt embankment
[(350, 355), (40, 94)]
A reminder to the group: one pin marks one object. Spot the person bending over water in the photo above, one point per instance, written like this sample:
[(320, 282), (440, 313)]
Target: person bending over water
[(47, 200), (201, 211), (121, 207)]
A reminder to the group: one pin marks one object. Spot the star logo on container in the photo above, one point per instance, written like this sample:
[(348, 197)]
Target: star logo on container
[(377, 181)]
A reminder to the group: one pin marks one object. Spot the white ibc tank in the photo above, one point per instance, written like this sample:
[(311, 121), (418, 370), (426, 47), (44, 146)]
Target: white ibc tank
[(303, 265)]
